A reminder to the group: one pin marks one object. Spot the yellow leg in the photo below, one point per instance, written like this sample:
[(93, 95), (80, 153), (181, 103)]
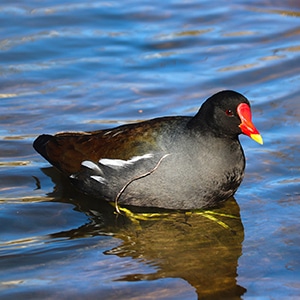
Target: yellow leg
[(209, 214)]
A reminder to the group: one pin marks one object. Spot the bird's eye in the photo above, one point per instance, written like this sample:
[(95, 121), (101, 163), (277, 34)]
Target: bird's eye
[(229, 113)]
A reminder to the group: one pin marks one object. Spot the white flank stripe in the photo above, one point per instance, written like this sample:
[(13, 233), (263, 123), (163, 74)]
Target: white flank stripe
[(98, 178), (108, 132), (91, 165), (119, 163), (118, 132)]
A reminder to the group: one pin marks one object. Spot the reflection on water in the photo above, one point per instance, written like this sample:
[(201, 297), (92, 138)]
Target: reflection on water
[(202, 253), (191, 247)]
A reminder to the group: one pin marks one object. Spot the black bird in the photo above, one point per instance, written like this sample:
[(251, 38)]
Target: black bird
[(177, 162)]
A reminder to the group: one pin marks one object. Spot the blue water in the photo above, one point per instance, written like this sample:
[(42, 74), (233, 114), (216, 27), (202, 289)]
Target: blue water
[(76, 65)]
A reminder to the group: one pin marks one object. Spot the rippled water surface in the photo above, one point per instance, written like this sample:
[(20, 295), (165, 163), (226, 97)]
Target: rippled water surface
[(85, 65)]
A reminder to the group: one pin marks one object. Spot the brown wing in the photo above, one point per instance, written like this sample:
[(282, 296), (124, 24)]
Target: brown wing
[(67, 150)]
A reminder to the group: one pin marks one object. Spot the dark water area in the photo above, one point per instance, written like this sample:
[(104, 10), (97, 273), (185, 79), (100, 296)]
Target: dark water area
[(97, 64)]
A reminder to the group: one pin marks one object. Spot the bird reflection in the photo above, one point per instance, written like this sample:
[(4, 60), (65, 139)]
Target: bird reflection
[(187, 246)]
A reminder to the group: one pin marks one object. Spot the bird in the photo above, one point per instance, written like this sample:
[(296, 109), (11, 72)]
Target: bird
[(172, 162)]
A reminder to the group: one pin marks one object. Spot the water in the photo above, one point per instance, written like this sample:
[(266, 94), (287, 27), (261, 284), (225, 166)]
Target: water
[(76, 65)]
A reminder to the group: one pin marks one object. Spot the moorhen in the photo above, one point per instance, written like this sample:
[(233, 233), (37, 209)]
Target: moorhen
[(176, 162)]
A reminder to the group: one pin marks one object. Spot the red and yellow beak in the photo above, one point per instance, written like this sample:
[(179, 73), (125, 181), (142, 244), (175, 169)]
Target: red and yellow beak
[(247, 126)]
